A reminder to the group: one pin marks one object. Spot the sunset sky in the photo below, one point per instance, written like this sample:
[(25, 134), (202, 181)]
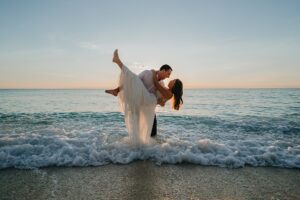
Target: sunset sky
[(209, 44)]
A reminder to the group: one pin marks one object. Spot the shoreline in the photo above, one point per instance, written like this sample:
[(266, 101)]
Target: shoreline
[(145, 180)]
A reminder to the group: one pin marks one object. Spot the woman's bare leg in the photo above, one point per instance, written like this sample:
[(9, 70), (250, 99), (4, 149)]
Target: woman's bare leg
[(113, 91), (116, 59)]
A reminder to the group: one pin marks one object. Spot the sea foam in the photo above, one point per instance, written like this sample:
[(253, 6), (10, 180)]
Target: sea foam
[(34, 151)]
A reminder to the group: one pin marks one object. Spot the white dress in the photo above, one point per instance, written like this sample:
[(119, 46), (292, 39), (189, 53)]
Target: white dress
[(138, 106)]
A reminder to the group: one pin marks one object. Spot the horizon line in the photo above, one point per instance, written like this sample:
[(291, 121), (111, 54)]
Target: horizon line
[(189, 88)]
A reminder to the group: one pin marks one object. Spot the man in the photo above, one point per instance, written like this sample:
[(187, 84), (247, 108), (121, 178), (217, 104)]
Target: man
[(146, 77)]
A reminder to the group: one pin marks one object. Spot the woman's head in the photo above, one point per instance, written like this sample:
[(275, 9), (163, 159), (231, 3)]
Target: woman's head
[(176, 87)]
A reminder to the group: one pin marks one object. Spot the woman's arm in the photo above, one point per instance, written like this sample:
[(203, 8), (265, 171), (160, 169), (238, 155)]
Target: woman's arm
[(164, 92)]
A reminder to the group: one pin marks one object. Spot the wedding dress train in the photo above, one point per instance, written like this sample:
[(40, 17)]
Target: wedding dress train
[(138, 106)]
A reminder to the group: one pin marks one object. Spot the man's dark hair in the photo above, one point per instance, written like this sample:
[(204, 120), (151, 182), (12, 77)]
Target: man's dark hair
[(166, 67)]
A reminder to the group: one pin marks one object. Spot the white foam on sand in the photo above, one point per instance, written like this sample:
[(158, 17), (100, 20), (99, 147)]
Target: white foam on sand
[(34, 151)]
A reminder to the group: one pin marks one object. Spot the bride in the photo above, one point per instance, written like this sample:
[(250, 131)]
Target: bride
[(138, 104)]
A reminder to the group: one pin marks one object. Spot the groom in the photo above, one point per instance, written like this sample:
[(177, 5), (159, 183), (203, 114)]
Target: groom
[(146, 77)]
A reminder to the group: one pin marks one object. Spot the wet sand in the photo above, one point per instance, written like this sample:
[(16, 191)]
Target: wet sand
[(145, 180)]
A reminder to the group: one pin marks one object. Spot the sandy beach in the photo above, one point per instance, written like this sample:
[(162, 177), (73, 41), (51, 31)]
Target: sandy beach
[(145, 180)]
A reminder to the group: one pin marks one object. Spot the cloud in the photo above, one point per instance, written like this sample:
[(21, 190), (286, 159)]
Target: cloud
[(89, 45), (96, 46), (137, 65)]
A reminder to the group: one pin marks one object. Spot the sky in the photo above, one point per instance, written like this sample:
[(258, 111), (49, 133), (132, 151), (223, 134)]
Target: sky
[(209, 44)]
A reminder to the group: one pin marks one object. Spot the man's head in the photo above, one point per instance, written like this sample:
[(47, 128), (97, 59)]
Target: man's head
[(164, 72)]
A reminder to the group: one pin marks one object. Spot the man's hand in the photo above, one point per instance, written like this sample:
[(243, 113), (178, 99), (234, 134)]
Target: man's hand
[(161, 102)]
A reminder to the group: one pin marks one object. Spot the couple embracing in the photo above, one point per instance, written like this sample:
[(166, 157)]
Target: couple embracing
[(138, 96)]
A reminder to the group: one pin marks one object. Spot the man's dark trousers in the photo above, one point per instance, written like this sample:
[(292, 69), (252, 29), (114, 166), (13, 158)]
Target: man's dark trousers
[(154, 127)]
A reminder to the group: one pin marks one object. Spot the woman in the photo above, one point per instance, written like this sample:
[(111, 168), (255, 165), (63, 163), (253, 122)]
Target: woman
[(174, 91), (138, 104)]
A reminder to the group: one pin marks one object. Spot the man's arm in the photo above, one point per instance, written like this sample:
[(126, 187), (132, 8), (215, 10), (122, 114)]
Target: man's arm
[(164, 92)]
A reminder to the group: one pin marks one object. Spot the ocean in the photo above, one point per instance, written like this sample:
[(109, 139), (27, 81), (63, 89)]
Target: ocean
[(215, 127)]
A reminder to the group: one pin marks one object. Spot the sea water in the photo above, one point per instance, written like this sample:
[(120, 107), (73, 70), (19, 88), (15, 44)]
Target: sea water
[(220, 127)]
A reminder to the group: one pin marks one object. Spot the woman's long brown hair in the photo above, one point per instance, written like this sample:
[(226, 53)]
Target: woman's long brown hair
[(177, 91)]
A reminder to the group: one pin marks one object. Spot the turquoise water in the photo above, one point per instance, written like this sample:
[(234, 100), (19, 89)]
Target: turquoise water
[(222, 127)]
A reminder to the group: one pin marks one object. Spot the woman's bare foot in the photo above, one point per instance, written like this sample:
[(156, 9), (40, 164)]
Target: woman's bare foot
[(113, 92), (116, 58)]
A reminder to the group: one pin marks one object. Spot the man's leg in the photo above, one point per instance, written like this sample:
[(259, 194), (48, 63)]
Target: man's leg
[(154, 127)]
